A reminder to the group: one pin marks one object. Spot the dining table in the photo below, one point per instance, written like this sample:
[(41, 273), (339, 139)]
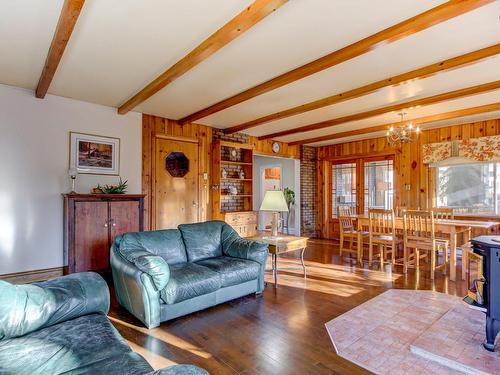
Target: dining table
[(449, 227)]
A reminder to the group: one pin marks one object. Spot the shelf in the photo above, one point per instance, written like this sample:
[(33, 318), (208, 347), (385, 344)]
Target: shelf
[(235, 162), (235, 179), (237, 195)]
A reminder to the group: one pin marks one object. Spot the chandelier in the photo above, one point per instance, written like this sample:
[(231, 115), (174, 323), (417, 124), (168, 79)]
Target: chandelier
[(405, 133)]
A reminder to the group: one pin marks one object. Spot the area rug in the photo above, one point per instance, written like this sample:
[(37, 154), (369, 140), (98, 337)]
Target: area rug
[(378, 335)]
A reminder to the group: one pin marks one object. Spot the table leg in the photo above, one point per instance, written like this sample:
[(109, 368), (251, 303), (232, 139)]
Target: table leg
[(453, 254), (275, 269), (468, 236), (302, 261)]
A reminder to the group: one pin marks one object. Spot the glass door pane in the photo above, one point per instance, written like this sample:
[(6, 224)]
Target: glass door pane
[(343, 186), (379, 184)]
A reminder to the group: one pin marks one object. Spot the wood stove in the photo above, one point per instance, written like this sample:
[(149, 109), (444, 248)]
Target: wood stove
[(484, 283)]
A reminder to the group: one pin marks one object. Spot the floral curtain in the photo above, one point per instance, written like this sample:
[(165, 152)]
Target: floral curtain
[(477, 149)]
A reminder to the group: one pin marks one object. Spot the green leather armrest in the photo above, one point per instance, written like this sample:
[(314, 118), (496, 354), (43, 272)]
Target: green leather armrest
[(135, 290), (26, 308), (180, 370), (235, 246)]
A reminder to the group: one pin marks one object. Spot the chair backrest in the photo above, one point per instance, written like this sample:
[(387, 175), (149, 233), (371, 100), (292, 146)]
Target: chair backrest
[(346, 218), (418, 225), (443, 213), (382, 222)]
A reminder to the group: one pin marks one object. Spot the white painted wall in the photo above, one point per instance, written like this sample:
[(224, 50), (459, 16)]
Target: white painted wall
[(34, 154), (290, 177)]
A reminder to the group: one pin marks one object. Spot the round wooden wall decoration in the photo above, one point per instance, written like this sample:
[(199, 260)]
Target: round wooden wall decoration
[(177, 164)]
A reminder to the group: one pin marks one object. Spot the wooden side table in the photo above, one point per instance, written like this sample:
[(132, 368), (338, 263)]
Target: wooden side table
[(280, 245)]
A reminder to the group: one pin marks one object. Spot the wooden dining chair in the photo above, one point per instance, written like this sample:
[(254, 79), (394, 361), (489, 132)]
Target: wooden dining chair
[(443, 213), (382, 233), (349, 231), (420, 241)]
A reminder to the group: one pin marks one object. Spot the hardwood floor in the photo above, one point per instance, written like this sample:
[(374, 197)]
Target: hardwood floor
[(281, 332)]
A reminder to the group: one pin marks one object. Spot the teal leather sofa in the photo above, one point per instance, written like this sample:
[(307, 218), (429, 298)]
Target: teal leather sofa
[(60, 327), (164, 274)]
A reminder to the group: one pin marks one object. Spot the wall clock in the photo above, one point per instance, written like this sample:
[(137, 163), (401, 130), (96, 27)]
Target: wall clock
[(276, 147)]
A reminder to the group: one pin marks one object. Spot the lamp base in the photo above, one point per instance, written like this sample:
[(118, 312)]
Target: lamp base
[(275, 224)]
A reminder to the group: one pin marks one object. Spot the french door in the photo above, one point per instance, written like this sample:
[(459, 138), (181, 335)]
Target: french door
[(360, 184)]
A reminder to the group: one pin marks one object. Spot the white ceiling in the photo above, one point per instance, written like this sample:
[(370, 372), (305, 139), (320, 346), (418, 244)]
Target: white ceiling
[(118, 46)]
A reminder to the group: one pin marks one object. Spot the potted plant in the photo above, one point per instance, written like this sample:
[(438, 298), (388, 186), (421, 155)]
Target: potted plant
[(290, 201)]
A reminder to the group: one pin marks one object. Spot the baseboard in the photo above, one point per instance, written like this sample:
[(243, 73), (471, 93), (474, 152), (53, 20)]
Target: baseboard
[(32, 276)]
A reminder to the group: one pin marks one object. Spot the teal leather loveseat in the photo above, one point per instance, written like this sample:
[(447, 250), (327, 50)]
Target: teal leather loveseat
[(164, 274), (60, 327)]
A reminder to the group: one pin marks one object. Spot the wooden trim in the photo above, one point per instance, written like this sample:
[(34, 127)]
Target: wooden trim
[(422, 21), (373, 155), (177, 138), (28, 277), (245, 20), (67, 20), (468, 91), (424, 72), (422, 120)]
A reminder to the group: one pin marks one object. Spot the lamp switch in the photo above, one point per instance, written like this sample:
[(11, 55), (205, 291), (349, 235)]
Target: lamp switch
[(408, 187)]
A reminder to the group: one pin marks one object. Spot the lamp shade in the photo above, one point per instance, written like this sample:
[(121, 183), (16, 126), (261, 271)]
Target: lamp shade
[(274, 200)]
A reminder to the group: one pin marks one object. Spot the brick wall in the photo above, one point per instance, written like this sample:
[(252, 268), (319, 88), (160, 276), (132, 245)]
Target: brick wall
[(308, 183), (236, 137)]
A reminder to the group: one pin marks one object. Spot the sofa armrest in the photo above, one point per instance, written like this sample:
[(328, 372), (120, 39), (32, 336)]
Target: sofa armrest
[(246, 249), (26, 308), (135, 290)]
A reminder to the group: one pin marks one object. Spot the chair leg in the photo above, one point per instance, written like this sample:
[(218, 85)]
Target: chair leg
[(381, 249), (341, 243), (417, 259), (393, 253), (405, 259), (370, 253), (445, 255), (350, 243), (465, 263), (433, 255)]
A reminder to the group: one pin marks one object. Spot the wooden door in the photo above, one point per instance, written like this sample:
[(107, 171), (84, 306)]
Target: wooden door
[(124, 216), (176, 195), (91, 236)]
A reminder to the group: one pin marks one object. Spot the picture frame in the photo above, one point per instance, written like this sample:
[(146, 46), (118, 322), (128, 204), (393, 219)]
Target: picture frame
[(94, 154)]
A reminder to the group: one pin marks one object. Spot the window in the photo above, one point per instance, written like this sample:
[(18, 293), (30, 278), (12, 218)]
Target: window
[(343, 186), (472, 189), (379, 184)]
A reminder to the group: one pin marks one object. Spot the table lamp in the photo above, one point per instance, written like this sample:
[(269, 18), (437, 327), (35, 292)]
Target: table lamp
[(274, 201)]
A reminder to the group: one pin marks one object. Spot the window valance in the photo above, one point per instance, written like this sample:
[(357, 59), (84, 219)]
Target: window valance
[(474, 149)]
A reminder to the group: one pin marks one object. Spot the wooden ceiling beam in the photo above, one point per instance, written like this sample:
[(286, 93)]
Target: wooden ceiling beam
[(424, 72), (418, 121), (252, 14), (67, 20), (468, 91), (441, 13)]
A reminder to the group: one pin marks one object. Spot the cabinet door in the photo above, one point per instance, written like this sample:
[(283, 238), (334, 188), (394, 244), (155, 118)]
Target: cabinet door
[(91, 236), (124, 217)]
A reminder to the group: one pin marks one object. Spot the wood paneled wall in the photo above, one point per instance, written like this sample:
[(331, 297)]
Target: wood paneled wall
[(152, 126), (413, 180)]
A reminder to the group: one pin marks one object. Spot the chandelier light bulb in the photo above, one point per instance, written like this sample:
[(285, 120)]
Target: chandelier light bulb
[(410, 125), (391, 129)]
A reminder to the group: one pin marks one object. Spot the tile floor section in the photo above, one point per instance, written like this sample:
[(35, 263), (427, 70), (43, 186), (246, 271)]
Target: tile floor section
[(378, 335)]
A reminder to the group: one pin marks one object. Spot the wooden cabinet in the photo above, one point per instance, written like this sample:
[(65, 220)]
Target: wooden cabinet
[(92, 221), (245, 223)]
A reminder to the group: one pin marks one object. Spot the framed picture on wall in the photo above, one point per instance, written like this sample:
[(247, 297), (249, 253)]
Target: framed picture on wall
[(94, 154)]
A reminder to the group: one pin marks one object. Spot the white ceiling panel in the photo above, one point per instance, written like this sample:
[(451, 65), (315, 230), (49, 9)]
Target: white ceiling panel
[(467, 33), (451, 105), (297, 33), (26, 29), (483, 72), (119, 46)]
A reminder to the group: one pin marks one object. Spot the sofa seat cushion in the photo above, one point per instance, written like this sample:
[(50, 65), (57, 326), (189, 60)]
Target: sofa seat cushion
[(232, 271), (67, 346), (189, 280)]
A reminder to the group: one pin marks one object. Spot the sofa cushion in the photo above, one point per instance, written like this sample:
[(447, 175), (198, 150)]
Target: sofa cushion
[(156, 267), (166, 243), (202, 240), (232, 271), (188, 280), (68, 346)]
